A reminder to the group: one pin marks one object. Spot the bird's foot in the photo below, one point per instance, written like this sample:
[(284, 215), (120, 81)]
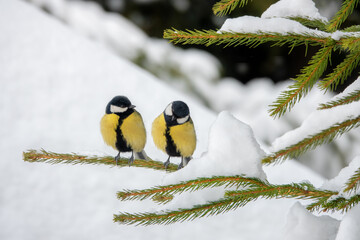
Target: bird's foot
[(166, 164), (117, 158), (131, 159), (180, 166)]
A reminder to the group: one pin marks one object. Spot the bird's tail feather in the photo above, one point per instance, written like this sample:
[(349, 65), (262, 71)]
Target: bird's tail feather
[(141, 155)]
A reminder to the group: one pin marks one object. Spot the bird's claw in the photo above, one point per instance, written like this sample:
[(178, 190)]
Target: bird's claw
[(117, 158), (166, 164), (131, 160)]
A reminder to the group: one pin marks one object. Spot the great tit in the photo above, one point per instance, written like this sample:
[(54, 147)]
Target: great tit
[(173, 132), (122, 128)]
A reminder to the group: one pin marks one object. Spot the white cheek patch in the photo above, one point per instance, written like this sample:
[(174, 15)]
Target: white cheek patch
[(116, 109), (182, 120), (168, 110)]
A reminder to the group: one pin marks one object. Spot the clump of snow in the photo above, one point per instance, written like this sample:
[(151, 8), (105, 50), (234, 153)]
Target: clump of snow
[(316, 122), (232, 150), (294, 8), (338, 182), (250, 24), (349, 226), (301, 224), (337, 35)]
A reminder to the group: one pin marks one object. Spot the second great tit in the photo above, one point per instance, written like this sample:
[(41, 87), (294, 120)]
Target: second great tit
[(173, 132)]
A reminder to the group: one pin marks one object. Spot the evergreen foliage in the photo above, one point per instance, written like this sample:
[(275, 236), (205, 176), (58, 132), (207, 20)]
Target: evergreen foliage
[(73, 159), (240, 190)]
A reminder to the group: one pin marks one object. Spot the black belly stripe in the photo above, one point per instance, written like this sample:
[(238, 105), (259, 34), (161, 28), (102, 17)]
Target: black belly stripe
[(121, 143), (170, 145)]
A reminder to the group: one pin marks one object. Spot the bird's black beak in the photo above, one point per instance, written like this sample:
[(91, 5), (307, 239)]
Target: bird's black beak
[(132, 106)]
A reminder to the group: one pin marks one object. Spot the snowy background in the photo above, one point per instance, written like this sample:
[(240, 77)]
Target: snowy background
[(56, 79)]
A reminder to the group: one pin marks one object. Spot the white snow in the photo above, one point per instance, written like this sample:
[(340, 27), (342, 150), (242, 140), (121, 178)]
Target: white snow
[(316, 122), (232, 150), (338, 182), (293, 8), (55, 85), (351, 88), (172, 64), (349, 226), (250, 24), (301, 224)]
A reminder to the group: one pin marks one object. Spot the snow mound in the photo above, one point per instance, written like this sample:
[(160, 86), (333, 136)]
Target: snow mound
[(301, 224), (349, 227), (232, 150), (338, 182), (294, 8)]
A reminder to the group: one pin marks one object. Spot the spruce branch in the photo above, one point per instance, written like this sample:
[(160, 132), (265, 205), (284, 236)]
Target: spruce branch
[(354, 28), (56, 158), (224, 7), (353, 183), (303, 82), (294, 190), (323, 199), (351, 97), (341, 72), (311, 142), (350, 43), (334, 203), (180, 215), (211, 37), (310, 23), (192, 185), (345, 10)]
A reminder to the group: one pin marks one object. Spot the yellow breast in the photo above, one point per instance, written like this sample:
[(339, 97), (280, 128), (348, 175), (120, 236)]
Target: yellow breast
[(108, 125), (133, 130), (183, 135), (184, 138), (158, 132)]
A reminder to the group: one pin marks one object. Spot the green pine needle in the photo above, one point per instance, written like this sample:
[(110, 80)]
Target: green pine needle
[(303, 83), (354, 182), (192, 185), (223, 7), (236, 199), (180, 215), (325, 136), (340, 17), (311, 23), (73, 159), (212, 37), (341, 72), (351, 97)]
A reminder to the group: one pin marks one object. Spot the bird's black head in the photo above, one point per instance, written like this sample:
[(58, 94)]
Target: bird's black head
[(177, 113), (119, 105)]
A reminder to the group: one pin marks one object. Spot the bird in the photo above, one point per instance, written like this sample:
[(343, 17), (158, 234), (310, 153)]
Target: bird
[(173, 132), (122, 128)]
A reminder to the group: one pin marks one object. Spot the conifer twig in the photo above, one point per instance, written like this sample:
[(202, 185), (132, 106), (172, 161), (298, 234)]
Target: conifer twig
[(341, 72), (211, 37), (56, 158), (345, 10), (354, 182), (192, 185), (351, 97), (224, 7), (311, 142), (311, 23), (304, 82), (236, 199)]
